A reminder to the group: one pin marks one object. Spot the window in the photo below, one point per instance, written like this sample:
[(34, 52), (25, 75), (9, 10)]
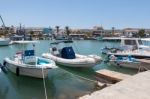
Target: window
[(130, 42), (140, 42)]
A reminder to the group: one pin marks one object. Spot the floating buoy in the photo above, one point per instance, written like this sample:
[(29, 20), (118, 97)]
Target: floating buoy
[(17, 71)]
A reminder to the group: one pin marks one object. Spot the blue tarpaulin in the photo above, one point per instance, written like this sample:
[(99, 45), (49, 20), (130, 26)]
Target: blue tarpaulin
[(68, 53)]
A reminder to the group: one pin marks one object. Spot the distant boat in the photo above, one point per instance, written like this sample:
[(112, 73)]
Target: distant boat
[(4, 41), (24, 42), (61, 38), (107, 50)]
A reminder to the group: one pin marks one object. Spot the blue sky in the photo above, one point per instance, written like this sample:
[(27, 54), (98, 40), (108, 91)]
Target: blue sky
[(76, 13)]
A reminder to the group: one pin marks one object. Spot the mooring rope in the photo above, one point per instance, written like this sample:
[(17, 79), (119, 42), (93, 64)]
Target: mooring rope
[(76, 48), (82, 77), (45, 91)]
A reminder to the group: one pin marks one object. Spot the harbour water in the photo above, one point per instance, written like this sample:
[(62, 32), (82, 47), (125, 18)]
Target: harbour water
[(62, 82)]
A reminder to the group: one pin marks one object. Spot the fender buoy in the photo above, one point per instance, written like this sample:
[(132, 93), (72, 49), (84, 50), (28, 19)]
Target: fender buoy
[(4, 63), (17, 71)]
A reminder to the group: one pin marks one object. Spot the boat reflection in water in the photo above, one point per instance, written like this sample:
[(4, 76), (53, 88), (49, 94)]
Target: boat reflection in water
[(59, 84)]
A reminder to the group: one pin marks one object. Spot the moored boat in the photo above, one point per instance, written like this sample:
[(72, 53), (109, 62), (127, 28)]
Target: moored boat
[(27, 64), (67, 57), (133, 47), (127, 62), (107, 50)]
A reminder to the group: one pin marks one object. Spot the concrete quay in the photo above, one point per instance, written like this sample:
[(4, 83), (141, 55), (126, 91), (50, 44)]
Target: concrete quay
[(134, 87)]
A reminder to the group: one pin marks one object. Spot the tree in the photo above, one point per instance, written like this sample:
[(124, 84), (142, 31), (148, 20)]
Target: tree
[(88, 34), (141, 33), (57, 29), (31, 34), (67, 30)]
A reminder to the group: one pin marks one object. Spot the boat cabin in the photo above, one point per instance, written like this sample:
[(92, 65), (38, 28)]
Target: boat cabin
[(133, 43), (28, 57)]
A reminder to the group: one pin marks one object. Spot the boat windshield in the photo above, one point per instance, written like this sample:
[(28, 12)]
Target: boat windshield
[(130, 42)]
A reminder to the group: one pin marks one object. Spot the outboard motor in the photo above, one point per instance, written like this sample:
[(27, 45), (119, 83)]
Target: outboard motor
[(17, 71), (4, 63), (3, 68)]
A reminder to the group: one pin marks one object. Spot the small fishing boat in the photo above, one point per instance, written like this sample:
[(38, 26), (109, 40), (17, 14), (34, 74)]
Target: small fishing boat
[(107, 50), (27, 64), (67, 57), (3, 40), (128, 62), (23, 42)]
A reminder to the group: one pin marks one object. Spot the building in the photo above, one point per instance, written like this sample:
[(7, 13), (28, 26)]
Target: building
[(77, 36), (6, 31), (98, 31), (129, 32), (39, 32)]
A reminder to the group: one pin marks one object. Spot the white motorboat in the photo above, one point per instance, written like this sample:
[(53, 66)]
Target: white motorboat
[(133, 47), (24, 42), (4, 41), (67, 57), (29, 65), (79, 61)]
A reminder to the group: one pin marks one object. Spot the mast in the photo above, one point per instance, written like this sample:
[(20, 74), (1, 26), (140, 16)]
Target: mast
[(2, 21), (5, 30)]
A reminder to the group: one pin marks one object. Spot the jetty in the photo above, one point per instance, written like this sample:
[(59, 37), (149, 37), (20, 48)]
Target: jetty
[(135, 87), (111, 76)]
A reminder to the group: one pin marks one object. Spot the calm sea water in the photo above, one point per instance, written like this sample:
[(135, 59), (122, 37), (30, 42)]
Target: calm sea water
[(62, 83)]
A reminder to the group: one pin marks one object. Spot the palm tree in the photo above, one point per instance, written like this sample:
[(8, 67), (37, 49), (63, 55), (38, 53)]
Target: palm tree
[(141, 33), (57, 29), (67, 30), (31, 34)]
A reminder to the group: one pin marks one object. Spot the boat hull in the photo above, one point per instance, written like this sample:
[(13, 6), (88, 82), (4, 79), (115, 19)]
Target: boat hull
[(26, 70), (132, 65), (80, 61), (134, 56), (138, 54), (4, 42)]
